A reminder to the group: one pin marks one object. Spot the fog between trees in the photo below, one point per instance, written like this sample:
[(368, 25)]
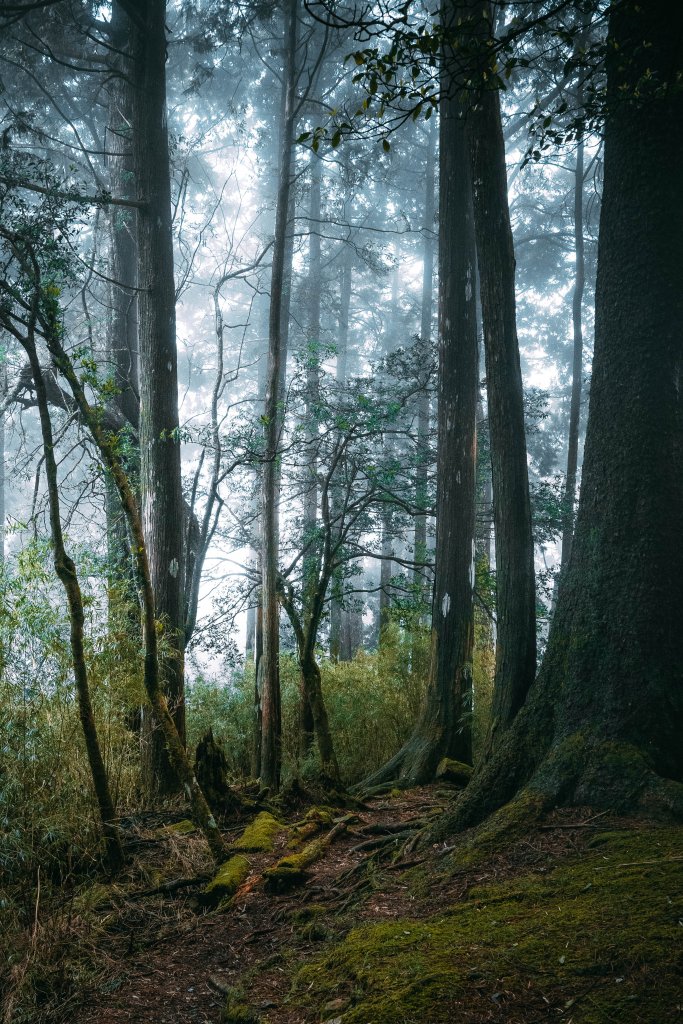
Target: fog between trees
[(298, 305)]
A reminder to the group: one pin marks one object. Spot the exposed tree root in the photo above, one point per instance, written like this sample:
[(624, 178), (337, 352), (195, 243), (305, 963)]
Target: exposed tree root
[(579, 770)]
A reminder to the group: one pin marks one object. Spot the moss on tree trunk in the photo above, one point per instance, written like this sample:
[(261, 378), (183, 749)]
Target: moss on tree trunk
[(602, 723)]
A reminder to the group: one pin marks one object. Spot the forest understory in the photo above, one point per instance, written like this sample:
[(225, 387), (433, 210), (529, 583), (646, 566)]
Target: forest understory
[(341, 491), (574, 919)]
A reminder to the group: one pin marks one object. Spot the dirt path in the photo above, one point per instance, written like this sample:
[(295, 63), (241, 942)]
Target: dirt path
[(574, 921), (185, 970)]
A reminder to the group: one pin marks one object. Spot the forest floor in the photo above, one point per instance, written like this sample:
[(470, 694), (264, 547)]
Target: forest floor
[(577, 920)]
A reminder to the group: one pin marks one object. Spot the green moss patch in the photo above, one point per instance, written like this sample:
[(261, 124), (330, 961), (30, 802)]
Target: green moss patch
[(178, 828), (227, 881), (453, 771), (259, 836), (316, 820), (236, 1011), (592, 941), (291, 870)]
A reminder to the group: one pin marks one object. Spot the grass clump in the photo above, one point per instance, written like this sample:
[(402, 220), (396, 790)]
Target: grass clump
[(592, 941)]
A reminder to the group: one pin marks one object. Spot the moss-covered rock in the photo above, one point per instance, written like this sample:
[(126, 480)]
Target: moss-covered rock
[(227, 881), (259, 836), (457, 772), (591, 941)]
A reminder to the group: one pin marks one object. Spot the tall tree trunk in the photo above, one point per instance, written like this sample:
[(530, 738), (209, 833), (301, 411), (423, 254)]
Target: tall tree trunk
[(3, 511), (577, 359), (258, 609), (391, 340), (271, 753), (310, 672), (312, 356), (161, 488), (443, 729), (339, 650), (421, 491), (122, 333), (515, 581), (602, 724)]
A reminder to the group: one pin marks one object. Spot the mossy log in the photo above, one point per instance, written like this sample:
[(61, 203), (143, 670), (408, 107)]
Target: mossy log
[(316, 820), (259, 835), (292, 869), (227, 880)]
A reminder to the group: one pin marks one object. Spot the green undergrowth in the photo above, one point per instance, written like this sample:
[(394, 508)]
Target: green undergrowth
[(592, 941)]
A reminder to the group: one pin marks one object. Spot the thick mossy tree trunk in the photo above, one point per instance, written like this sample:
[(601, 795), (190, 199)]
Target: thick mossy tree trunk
[(515, 581), (443, 729), (602, 724), (161, 486)]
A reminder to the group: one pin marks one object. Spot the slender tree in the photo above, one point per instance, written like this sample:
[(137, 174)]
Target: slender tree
[(269, 672), (443, 729), (515, 580), (426, 304), (577, 353)]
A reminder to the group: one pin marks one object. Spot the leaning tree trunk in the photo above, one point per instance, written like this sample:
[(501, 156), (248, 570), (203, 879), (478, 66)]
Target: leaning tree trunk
[(152, 677), (161, 487), (66, 572), (515, 581), (602, 724), (443, 729)]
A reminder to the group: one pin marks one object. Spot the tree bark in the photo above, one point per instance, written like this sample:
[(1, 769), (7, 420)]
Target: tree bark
[(339, 649), (515, 580), (312, 357), (3, 395), (271, 725), (443, 729), (577, 358), (602, 723), (161, 487), (121, 334), (421, 492)]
